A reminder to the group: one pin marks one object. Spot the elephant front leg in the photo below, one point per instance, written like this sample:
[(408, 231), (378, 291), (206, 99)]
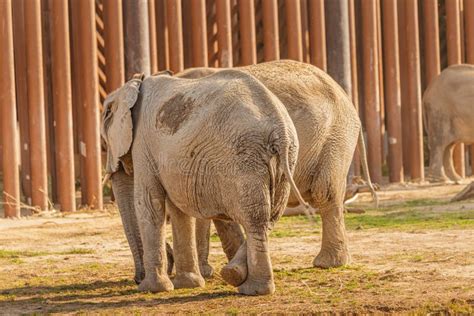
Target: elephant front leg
[(334, 252), (436, 169), (259, 280), (184, 249), (149, 205), (203, 230), (449, 164)]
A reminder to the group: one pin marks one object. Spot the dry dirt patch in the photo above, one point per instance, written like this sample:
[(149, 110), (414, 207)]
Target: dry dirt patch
[(415, 253)]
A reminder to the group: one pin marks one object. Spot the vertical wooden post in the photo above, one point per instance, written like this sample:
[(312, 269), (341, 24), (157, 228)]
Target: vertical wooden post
[(162, 35), (11, 159), (431, 40), (354, 80), (453, 38), (62, 102), (199, 33), (469, 38), (414, 91), (271, 37), (19, 43), (392, 93), (371, 88), (137, 38), (90, 103), (175, 35), (317, 34), (113, 38), (36, 107), (152, 36), (248, 40), (224, 33), (294, 32)]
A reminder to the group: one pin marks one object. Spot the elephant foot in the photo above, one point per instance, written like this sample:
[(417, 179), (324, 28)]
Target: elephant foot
[(438, 178), (252, 287), (206, 270), (234, 273), (156, 284), (139, 276), (188, 280), (331, 259)]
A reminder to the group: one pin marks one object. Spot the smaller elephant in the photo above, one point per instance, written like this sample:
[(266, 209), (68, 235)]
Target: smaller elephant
[(448, 114), (221, 147)]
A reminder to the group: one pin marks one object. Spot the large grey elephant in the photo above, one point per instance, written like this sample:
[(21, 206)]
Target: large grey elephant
[(328, 128), (221, 147), (448, 113)]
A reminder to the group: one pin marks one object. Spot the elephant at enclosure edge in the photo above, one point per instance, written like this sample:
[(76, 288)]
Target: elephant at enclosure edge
[(220, 147), (328, 129), (448, 114)]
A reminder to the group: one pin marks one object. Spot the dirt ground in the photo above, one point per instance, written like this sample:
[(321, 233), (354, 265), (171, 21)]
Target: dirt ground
[(413, 254)]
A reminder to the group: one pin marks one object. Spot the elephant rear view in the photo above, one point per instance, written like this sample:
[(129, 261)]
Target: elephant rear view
[(448, 113), (220, 147)]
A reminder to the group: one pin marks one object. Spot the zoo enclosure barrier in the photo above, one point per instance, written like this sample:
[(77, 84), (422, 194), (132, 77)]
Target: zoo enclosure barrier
[(60, 58)]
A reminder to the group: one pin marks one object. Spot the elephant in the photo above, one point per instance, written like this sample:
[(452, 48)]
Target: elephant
[(328, 129), (221, 147), (466, 193), (448, 114)]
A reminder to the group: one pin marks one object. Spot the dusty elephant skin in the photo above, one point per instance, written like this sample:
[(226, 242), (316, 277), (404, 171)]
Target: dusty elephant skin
[(328, 128), (221, 147), (448, 114)]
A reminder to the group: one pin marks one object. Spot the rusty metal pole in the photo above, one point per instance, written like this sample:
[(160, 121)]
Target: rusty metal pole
[(175, 35), (371, 88), (414, 91), (11, 157), (199, 33), (431, 39), (36, 107), (469, 33), (271, 37), (317, 34), (248, 42), (224, 33), (294, 32), (453, 39), (114, 46), (137, 38), (90, 103), (62, 102), (392, 93), (162, 35)]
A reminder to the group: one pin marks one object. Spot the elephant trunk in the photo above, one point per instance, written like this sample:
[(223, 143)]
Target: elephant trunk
[(122, 185)]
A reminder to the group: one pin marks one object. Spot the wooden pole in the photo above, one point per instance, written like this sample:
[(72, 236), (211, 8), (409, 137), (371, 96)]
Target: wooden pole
[(431, 40), (152, 36), (392, 92), (36, 106), (248, 40), (11, 159), (453, 38), (199, 33), (271, 37), (90, 103), (294, 32), (62, 102), (114, 46), (317, 34), (414, 91), (469, 38), (19, 42), (175, 35), (371, 88), (224, 33), (162, 35), (137, 37)]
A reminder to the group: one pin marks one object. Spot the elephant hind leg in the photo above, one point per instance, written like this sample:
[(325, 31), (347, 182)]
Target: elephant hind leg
[(436, 171), (449, 164), (203, 230)]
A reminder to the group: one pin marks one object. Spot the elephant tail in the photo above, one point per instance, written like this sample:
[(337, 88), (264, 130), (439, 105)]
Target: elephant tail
[(365, 167)]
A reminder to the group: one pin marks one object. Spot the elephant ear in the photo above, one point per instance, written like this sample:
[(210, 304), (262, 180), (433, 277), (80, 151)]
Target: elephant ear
[(118, 124)]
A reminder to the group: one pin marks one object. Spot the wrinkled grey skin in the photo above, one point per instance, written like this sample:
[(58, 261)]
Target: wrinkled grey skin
[(328, 129), (221, 147), (448, 113)]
